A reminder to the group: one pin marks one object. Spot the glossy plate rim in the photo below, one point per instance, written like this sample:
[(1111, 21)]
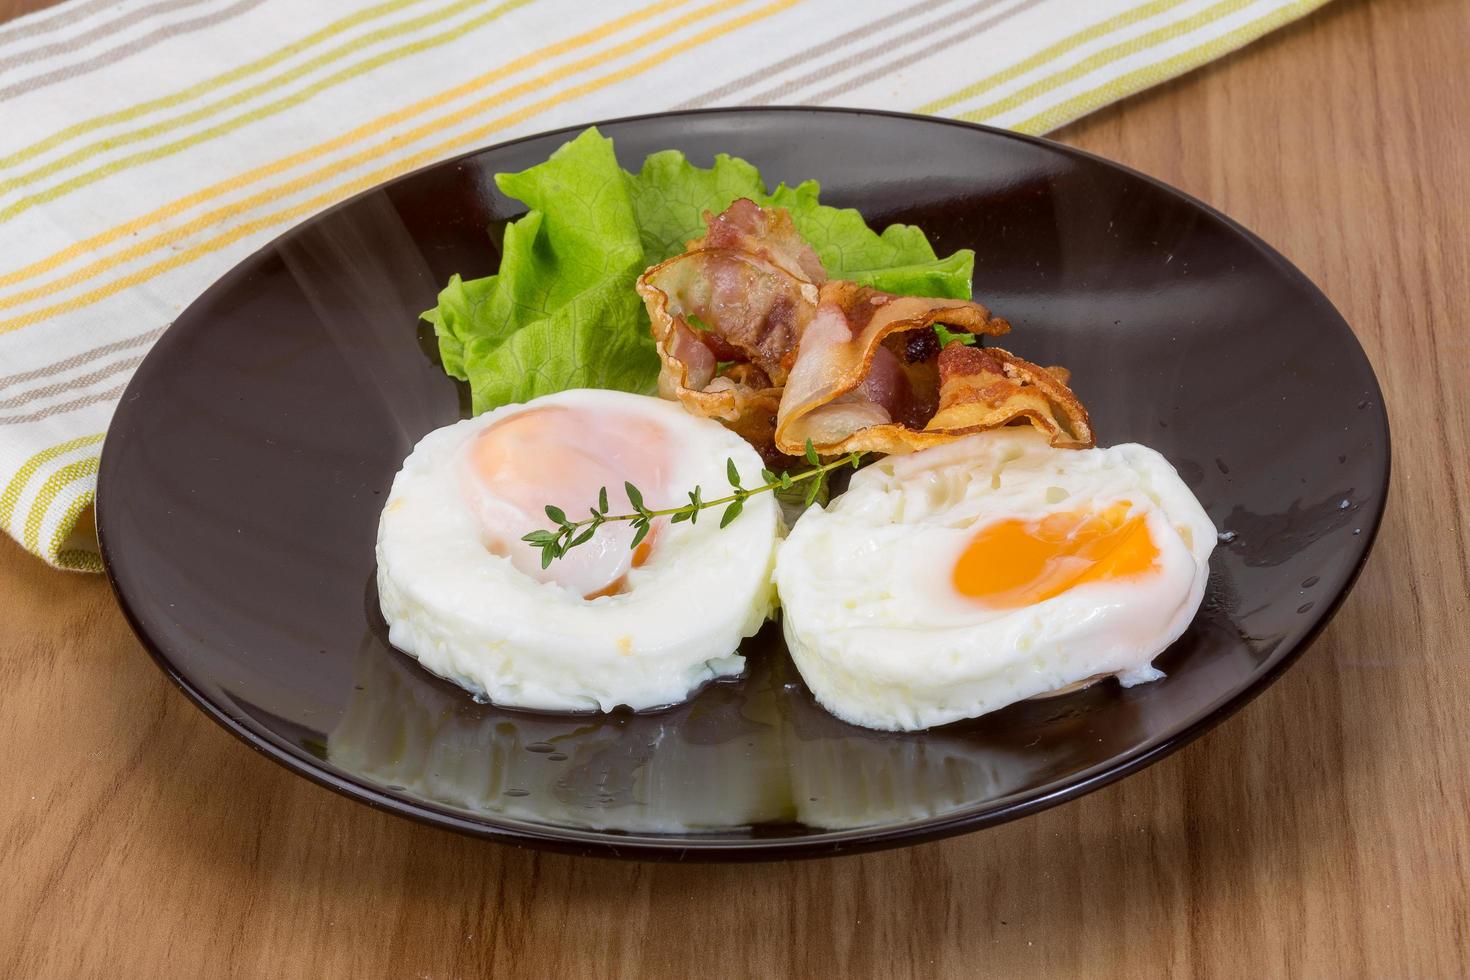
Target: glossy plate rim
[(643, 846)]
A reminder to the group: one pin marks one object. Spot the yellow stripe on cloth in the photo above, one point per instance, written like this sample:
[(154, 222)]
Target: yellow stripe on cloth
[(366, 130), (78, 559), (55, 483), (205, 87), (10, 496), (74, 559), (1049, 54), (413, 161), (1106, 57), (122, 164), (1137, 81)]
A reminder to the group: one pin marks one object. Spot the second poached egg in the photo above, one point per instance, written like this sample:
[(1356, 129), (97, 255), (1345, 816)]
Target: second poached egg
[(954, 581)]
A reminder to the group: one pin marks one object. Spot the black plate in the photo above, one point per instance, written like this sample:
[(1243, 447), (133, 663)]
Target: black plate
[(245, 468)]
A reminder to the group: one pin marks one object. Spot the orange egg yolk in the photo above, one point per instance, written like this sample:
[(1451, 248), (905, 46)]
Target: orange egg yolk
[(1015, 563)]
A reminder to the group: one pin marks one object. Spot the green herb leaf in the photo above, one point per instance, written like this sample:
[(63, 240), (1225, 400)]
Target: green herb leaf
[(634, 497), (947, 337), (557, 515), (571, 535), (811, 454), (602, 501), (732, 473)]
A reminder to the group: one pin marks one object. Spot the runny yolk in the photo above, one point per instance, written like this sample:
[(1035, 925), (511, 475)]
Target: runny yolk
[(1014, 563)]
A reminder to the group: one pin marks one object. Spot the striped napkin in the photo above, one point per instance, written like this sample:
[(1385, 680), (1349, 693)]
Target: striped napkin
[(146, 146)]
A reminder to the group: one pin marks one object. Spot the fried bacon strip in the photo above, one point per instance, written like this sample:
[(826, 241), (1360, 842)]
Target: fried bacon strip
[(985, 387), (741, 295), (859, 383), (751, 332)]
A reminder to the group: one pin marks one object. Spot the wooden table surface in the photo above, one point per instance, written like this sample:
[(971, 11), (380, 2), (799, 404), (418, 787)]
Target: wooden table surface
[(1322, 831)]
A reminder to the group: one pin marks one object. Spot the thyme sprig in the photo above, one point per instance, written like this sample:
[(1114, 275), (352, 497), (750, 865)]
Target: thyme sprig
[(569, 533)]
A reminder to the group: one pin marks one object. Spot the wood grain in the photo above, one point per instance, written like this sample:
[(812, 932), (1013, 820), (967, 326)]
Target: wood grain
[(1321, 832), (14, 8)]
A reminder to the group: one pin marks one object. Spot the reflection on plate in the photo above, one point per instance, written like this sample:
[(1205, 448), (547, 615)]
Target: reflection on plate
[(722, 762)]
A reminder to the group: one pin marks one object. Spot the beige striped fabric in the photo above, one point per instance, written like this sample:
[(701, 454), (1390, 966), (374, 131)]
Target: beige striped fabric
[(146, 146)]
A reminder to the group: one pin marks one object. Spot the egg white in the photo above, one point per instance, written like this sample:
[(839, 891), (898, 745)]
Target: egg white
[(470, 616), (883, 639)]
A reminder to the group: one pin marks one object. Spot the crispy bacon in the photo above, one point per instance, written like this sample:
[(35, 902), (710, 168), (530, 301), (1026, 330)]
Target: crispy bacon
[(985, 388), (766, 233), (751, 332), (848, 390), (742, 295)]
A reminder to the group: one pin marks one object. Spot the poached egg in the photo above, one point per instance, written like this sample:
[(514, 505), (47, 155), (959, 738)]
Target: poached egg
[(953, 581), (608, 624)]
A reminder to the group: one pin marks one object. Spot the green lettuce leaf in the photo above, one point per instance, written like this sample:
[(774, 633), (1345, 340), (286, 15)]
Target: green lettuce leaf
[(580, 232), (670, 196), (900, 260), (585, 344), (456, 317), (562, 312)]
